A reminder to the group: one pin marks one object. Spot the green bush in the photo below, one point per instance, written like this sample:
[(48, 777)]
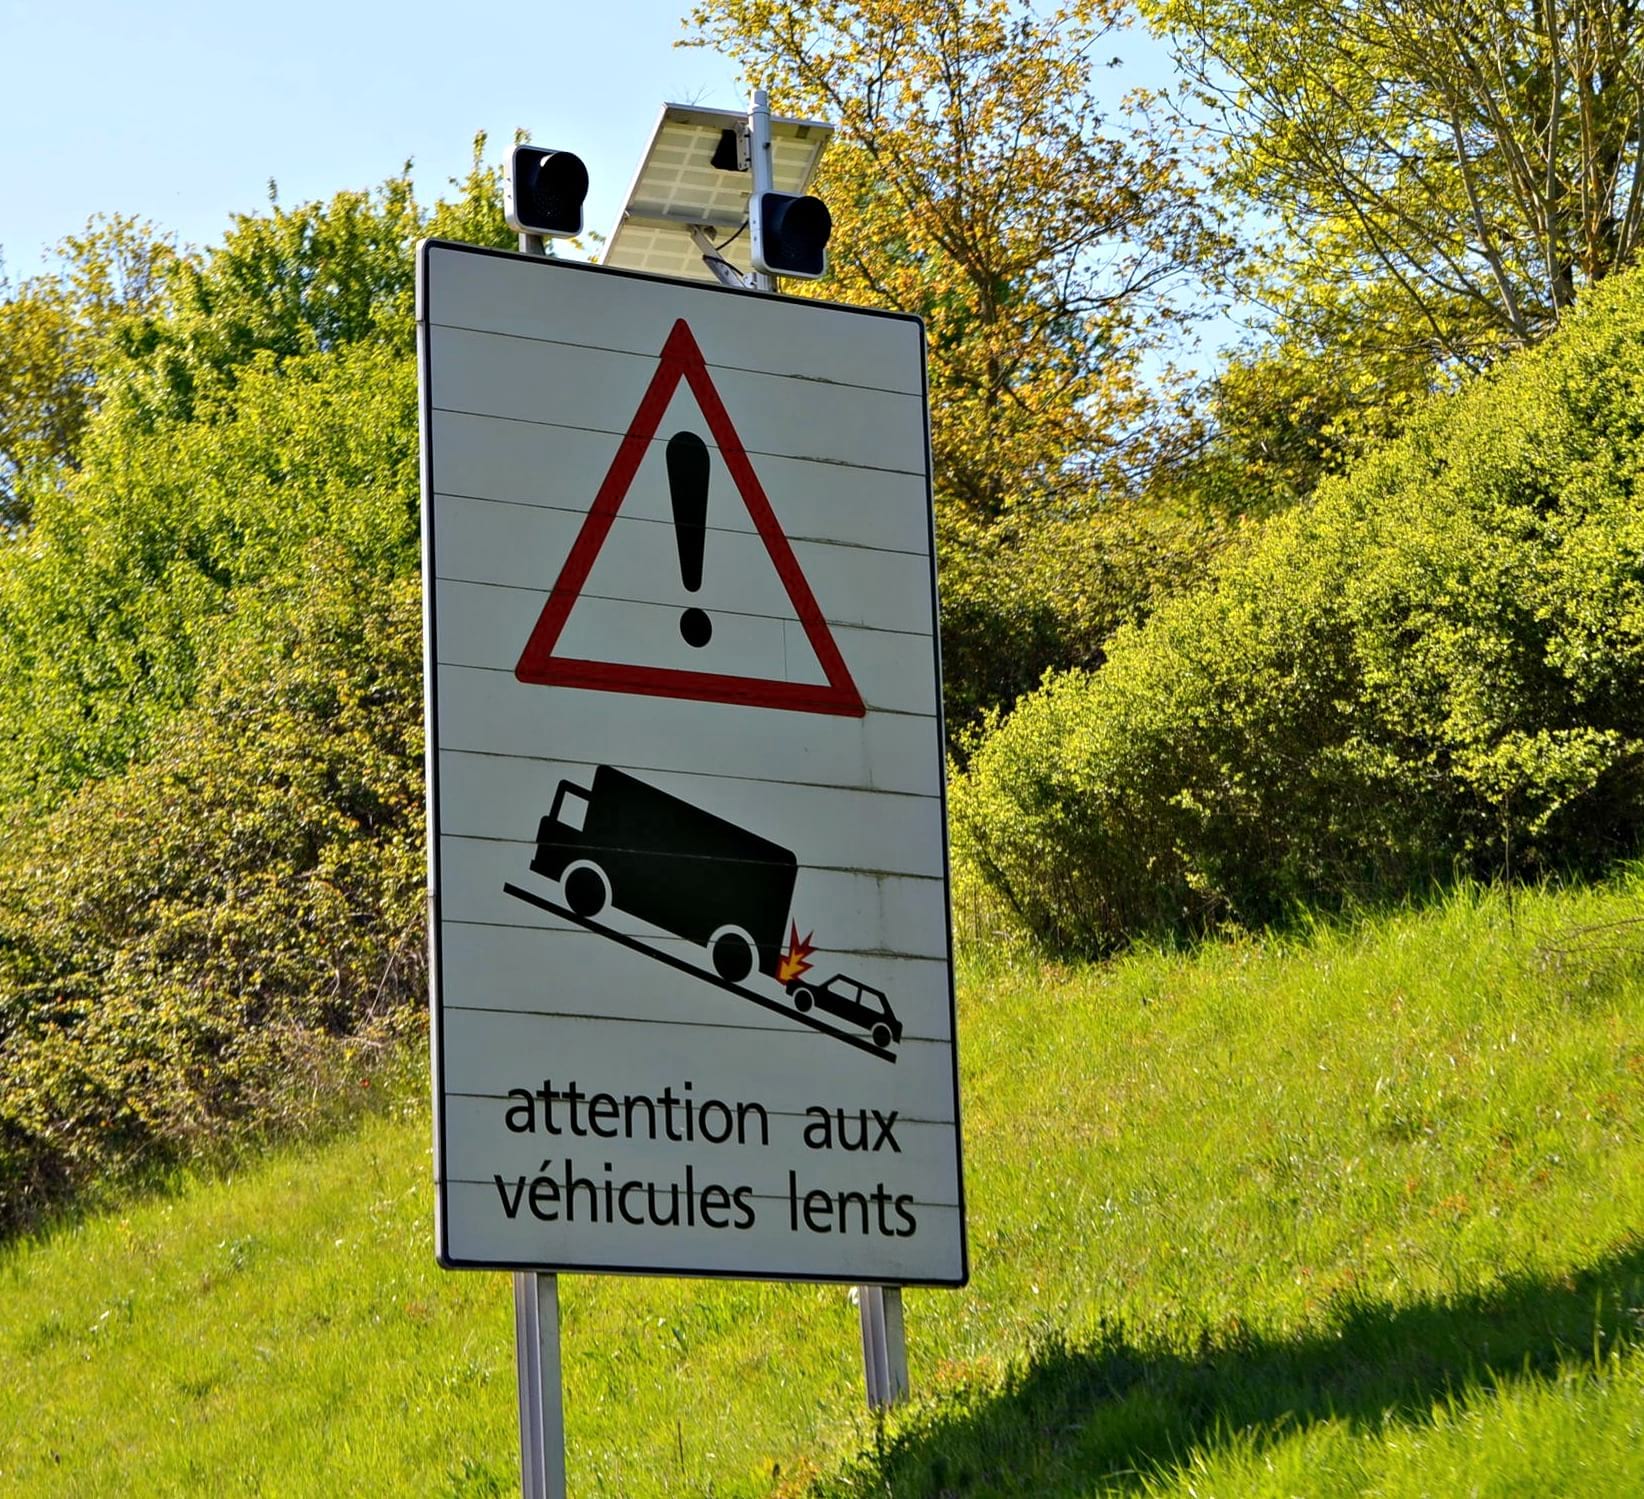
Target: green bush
[(1036, 593), (266, 398), (1437, 664), (184, 944), (212, 876), (109, 604)]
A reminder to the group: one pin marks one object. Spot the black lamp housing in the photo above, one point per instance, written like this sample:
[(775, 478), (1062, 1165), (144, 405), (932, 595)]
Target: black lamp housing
[(790, 235), (542, 192)]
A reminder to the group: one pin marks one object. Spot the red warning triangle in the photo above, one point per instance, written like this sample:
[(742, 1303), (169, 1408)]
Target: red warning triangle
[(681, 359)]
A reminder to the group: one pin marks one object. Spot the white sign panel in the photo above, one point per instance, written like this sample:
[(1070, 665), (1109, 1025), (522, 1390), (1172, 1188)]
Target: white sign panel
[(692, 970)]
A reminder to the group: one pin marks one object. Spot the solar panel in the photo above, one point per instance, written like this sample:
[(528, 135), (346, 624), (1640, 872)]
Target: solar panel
[(677, 186)]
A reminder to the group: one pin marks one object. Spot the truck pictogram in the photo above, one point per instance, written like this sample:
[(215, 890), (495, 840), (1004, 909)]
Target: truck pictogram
[(624, 845), (629, 845)]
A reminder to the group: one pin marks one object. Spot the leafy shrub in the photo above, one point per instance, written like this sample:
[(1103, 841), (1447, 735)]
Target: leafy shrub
[(109, 604), (1438, 663), (212, 877), (175, 938), (266, 398), (1034, 594)]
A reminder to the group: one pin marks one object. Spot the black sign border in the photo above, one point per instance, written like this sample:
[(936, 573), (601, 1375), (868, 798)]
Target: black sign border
[(425, 248)]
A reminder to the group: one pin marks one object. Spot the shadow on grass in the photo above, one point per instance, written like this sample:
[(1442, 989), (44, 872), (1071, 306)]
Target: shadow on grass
[(1101, 1418)]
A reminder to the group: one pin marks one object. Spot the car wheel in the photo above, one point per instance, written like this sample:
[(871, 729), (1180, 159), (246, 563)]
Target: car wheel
[(803, 999), (585, 890), (881, 1036), (733, 959)]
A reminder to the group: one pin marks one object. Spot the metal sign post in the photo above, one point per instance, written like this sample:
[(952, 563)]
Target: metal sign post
[(759, 165), (884, 1345), (541, 1400)]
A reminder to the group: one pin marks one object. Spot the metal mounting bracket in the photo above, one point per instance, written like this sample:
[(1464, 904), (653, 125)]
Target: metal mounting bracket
[(715, 262)]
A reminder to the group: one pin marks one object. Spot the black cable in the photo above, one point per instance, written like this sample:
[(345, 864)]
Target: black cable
[(733, 239)]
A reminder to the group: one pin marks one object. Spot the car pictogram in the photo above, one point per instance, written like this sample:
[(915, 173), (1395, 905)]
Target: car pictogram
[(850, 999)]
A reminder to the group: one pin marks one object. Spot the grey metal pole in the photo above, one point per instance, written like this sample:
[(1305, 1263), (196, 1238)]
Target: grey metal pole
[(884, 1345), (541, 1402), (759, 164)]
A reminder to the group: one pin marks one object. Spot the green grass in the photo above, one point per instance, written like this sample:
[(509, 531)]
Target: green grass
[(1354, 1212)]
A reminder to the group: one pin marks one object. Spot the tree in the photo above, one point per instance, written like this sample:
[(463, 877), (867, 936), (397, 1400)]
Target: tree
[(1443, 177), (1046, 239), (44, 389), (294, 281), (975, 180), (1279, 416), (209, 935), (56, 330)]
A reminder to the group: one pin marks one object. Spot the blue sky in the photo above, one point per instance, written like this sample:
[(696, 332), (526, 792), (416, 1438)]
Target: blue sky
[(180, 111)]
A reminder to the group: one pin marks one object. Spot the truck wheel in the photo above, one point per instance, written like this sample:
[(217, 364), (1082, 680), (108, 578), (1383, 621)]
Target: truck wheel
[(733, 958), (584, 890), (803, 999), (881, 1036)]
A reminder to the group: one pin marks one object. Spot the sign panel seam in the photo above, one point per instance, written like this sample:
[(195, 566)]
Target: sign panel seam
[(645, 356), (707, 775), (798, 538), (753, 452)]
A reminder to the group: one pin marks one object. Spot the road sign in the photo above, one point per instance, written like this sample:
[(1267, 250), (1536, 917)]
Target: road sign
[(692, 969)]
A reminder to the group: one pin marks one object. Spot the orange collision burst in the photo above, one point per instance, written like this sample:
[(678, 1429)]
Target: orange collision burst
[(793, 962)]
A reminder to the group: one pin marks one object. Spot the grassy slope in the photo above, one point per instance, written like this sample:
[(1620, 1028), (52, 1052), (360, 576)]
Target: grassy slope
[(1360, 1213)]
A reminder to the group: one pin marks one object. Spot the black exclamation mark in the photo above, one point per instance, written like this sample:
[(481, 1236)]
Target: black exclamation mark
[(688, 488)]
